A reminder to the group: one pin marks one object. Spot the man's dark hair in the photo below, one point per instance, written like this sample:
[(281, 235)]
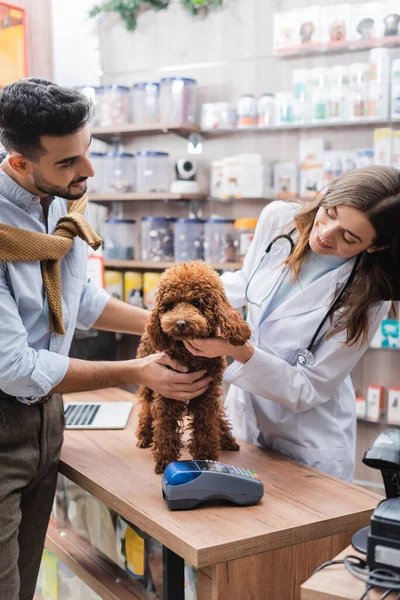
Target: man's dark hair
[(31, 108)]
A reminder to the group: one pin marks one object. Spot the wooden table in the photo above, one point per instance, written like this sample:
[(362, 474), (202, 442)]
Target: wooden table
[(336, 583), (249, 553)]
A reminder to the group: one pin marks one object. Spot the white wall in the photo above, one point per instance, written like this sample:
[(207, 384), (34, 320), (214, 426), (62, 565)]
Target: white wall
[(76, 49)]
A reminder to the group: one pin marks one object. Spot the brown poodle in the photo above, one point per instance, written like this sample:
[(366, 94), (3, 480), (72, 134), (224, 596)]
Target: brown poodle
[(190, 303)]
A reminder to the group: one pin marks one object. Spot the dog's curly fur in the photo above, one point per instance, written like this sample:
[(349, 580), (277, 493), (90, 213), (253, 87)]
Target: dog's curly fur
[(190, 303)]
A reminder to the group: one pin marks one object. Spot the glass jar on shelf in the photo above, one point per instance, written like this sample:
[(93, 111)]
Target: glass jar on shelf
[(189, 240), (119, 239), (119, 173), (221, 241), (152, 172), (178, 101), (158, 238), (246, 111), (115, 106), (146, 103), (96, 184)]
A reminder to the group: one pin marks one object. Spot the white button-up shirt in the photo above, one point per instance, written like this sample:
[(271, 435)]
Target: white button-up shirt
[(33, 360)]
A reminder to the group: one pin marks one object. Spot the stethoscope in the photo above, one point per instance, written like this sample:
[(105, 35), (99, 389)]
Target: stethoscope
[(305, 356)]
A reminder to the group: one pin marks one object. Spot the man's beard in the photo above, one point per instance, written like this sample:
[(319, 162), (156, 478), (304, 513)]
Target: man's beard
[(46, 187)]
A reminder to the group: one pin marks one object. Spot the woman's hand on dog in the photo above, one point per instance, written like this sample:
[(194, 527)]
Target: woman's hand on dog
[(167, 377), (218, 346)]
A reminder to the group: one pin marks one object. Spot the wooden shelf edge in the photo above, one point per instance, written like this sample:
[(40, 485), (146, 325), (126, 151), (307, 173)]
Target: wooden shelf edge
[(184, 129), (107, 580), (161, 266), (137, 197)]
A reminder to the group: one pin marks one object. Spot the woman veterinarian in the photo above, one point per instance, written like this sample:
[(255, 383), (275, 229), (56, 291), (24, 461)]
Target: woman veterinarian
[(317, 280)]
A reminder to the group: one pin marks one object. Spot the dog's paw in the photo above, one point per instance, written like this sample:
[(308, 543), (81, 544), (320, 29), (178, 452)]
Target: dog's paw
[(230, 445), (144, 443)]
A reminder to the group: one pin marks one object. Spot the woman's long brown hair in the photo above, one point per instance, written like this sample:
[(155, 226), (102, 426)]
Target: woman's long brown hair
[(375, 191)]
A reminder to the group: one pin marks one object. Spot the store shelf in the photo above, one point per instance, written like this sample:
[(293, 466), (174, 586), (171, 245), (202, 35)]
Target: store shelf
[(135, 197), (362, 122), (112, 132), (103, 577), (338, 47), (380, 422), (142, 265)]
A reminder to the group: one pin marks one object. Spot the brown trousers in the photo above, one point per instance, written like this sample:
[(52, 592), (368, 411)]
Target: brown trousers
[(30, 445)]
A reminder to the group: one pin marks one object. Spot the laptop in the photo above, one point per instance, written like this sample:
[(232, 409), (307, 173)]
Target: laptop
[(97, 415)]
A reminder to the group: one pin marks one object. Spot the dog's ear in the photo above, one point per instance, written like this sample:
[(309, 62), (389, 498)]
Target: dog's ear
[(231, 324), (155, 332)]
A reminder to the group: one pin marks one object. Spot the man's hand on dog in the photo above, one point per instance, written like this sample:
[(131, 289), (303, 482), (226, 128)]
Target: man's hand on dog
[(167, 377)]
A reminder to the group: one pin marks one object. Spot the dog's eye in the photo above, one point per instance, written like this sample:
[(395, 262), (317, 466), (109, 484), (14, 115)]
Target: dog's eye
[(196, 303), (168, 307)]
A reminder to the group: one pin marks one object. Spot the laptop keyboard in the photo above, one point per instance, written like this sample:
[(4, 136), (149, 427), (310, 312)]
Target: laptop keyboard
[(81, 414)]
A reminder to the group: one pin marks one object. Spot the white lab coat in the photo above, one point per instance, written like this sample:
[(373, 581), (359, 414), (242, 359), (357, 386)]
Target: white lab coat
[(307, 413)]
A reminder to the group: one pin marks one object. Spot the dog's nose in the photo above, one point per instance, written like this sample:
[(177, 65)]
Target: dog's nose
[(181, 324)]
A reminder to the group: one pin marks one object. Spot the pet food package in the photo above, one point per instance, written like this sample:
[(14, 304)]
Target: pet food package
[(335, 24), (217, 178), (114, 283), (393, 409), (374, 402), (311, 158), (396, 149), (383, 146), (388, 22), (133, 288), (388, 335), (360, 408), (286, 180), (285, 31), (151, 281), (364, 21), (308, 24)]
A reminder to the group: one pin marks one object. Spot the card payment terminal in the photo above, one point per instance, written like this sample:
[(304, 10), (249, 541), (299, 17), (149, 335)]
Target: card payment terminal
[(187, 483)]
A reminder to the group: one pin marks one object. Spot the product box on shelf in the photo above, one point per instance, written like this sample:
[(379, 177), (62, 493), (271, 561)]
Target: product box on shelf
[(360, 407), (393, 409), (374, 406), (217, 178), (396, 149), (383, 146), (388, 335), (114, 283), (308, 22), (311, 156), (133, 288), (246, 176), (285, 31), (365, 21), (335, 24), (286, 180)]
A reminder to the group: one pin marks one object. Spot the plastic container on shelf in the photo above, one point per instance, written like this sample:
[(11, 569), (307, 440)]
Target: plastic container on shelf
[(395, 101), (152, 172), (284, 108), (178, 101), (95, 93), (115, 106), (221, 241), (119, 173), (358, 101), (96, 184), (246, 229), (158, 238), (379, 65), (359, 73), (119, 239), (338, 103), (145, 102), (189, 240), (266, 109), (218, 115), (378, 100), (320, 77), (364, 157), (320, 97), (247, 111)]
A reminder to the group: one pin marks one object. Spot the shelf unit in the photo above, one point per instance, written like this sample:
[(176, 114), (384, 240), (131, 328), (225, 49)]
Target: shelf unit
[(106, 579), (142, 265)]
